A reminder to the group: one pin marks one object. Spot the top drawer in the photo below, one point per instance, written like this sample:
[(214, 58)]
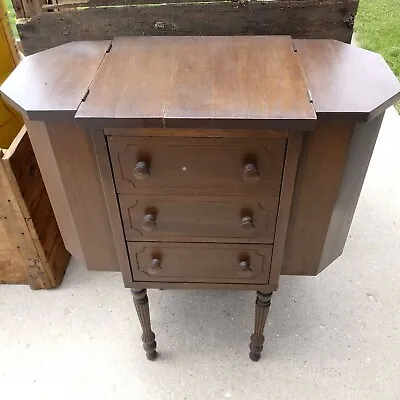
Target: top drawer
[(197, 165)]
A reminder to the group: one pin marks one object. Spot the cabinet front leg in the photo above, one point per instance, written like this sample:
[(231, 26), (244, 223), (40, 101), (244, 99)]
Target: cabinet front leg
[(141, 302), (263, 303)]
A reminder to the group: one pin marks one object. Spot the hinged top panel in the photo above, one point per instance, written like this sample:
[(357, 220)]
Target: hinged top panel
[(346, 82), (246, 81), (224, 82), (51, 84)]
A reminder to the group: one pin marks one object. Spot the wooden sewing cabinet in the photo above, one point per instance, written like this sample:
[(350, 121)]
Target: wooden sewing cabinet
[(204, 162)]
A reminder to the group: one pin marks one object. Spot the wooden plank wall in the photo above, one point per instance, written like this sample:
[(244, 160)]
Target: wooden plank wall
[(104, 19)]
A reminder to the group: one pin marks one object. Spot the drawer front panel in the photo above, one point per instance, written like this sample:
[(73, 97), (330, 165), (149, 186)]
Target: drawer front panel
[(198, 219), (196, 262), (197, 165)]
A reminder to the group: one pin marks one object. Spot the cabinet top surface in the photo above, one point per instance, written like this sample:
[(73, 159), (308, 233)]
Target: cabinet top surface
[(187, 81), (202, 82), (347, 79), (52, 83)]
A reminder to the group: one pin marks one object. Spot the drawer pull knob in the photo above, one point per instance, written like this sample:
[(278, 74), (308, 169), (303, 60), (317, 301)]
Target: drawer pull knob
[(250, 173), (155, 267), (244, 269), (247, 223), (141, 171), (149, 222)]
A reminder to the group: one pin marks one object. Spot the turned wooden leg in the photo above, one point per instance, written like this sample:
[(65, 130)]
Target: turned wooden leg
[(263, 302), (141, 302)]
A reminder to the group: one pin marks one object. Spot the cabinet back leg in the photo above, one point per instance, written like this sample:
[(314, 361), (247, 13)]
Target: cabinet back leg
[(141, 302), (263, 303)]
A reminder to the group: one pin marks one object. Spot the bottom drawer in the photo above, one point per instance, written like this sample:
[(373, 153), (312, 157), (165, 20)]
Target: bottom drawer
[(197, 262)]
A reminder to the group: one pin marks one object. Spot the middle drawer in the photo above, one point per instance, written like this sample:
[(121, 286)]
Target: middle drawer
[(199, 219)]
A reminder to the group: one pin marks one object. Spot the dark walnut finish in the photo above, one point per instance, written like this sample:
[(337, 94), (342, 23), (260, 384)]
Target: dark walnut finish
[(179, 165), (141, 302), (56, 91), (200, 262), (347, 81), (200, 219), (199, 82), (263, 303), (204, 162)]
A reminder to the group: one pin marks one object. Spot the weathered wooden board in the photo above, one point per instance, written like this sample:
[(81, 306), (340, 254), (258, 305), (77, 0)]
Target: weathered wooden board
[(34, 252), (299, 18), (63, 4), (12, 266), (27, 8)]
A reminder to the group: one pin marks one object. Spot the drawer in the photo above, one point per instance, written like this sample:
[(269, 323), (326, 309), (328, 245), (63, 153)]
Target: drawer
[(197, 165), (199, 218), (197, 262)]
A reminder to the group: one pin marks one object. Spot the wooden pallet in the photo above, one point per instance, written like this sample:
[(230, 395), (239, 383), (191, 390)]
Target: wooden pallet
[(31, 248)]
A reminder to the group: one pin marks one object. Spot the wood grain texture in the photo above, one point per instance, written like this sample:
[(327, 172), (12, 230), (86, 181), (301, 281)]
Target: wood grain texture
[(13, 222), (56, 80), (141, 302), (13, 269), (360, 150), (96, 3), (263, 304), (199, 218), (50, 172), (198, 133), (302, 19), (347, 82), (18, 8), (197, 262), (332, 167), (319, 177), (28, 219), (76, 161), (108, 185), (28, 8), (200, 165), (285, 200), (199, 82)]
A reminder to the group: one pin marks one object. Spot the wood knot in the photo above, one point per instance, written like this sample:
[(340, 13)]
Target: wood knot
[(240, 3), (160, 25), (164, 26), (349, 22)]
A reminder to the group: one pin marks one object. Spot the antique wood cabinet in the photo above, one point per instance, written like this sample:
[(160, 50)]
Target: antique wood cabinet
[(204, 162)]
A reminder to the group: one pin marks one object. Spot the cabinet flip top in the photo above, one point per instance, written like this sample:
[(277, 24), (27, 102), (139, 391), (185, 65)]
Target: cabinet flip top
[(212, 82)]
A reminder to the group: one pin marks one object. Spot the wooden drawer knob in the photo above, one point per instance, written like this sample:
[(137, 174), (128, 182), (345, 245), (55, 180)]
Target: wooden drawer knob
[(244, 269), (141, 171), (155, 267), (149, 222), (250, 173), (247, 223)]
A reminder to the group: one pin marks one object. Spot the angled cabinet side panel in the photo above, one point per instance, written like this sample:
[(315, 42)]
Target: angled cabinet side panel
[(49, 169), (318, 181), (71, 175), (362, 145)]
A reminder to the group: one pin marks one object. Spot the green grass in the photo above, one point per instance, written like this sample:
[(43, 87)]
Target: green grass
[(378, 29), (12, 18)]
